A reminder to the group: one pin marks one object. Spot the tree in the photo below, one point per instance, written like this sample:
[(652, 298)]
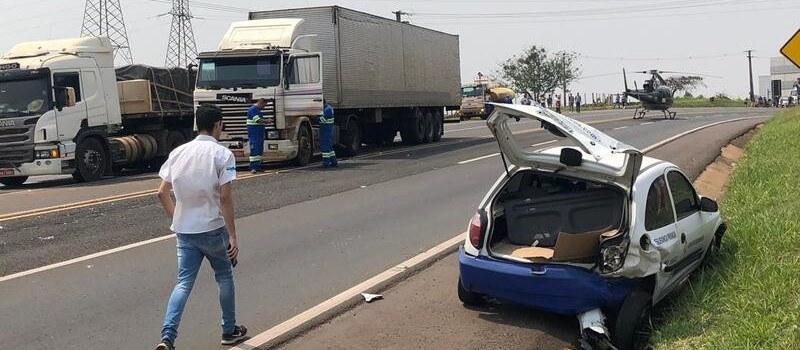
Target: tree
[(566, 69), (684, 83), (532, 71)]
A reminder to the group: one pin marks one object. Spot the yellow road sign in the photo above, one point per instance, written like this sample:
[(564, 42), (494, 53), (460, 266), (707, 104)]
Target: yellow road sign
[(791, 49)]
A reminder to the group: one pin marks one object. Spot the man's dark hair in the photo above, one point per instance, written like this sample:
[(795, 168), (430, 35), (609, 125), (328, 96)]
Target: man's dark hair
[(206, 116)]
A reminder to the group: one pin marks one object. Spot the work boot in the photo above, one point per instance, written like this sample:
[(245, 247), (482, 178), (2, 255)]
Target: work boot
[(232, 338), (165, 344)]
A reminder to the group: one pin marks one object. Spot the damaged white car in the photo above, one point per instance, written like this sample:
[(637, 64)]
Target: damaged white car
[(595, 230)]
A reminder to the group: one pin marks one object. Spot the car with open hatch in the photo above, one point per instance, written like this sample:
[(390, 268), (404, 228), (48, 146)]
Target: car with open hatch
[(594, 229)]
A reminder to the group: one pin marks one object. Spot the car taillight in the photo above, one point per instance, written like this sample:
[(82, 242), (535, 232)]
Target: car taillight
[(476, 230)]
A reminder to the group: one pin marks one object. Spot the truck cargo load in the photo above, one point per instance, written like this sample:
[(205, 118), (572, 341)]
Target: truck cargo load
[(170, 89)]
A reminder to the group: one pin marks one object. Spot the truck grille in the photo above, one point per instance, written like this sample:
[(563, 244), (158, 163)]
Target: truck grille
[(16, 144), (234, 117)]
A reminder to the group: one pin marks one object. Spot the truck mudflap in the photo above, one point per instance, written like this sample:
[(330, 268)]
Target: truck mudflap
[(557, 288)]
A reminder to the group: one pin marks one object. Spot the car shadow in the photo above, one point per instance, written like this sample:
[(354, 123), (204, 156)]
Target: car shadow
[(514, 315)]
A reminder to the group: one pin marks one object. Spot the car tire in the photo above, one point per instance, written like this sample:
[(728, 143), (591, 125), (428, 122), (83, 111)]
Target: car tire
[(91, 160), (632, 326), (469, 298), (14, 181)]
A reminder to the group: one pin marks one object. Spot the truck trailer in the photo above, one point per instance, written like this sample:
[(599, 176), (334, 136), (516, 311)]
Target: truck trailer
[(380, 76), (65, 109)]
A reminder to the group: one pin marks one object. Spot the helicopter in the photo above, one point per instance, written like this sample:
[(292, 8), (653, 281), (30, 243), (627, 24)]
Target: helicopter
[(654, 96)]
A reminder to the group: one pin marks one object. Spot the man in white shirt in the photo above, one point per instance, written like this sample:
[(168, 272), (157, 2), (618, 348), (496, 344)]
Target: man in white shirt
[(200, 174)]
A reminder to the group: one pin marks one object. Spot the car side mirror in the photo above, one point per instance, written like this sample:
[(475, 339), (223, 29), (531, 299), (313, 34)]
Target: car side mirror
[(65, 97), (708, 205)]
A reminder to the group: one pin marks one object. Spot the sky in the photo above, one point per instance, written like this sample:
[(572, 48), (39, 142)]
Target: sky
[(694, 36)]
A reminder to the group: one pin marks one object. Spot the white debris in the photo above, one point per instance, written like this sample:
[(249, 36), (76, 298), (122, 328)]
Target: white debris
[(370, 297), (362, 186), (89, 266), (46, 238)]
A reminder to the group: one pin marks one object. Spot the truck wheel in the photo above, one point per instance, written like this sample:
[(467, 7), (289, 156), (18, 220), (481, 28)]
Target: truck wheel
[(352, 139), (14, 181), (438, 125), (632, 328), (90, 157), (413, 131), (174, 139), (428, 128), (304, 147), (469, 298)]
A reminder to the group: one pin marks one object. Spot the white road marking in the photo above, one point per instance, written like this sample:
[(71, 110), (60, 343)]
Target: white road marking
[(304, 318), (621, 127), (84, 258), (645, 123), (479, 158), (543, 143)]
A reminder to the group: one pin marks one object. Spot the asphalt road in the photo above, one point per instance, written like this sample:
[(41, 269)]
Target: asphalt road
[(306, 234)]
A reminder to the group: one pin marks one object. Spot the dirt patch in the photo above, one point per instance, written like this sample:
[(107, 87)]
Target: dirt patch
[(713, 181)]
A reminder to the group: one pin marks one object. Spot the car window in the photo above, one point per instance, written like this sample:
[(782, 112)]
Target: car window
[(683, 194), (69, 80), (658, 210)]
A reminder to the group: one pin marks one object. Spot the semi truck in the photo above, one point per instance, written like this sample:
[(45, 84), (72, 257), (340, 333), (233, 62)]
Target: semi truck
[(65, 109), (475, 96), (380, 76)]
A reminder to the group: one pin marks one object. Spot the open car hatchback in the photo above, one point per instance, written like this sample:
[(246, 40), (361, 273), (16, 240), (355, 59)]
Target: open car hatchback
[(591, 230)]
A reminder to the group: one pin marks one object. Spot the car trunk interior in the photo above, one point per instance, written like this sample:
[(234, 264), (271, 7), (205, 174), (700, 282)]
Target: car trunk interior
[(545, 217)]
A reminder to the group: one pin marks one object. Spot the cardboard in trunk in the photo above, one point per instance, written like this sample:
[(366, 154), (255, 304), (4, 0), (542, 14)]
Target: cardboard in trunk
[(568, 247)]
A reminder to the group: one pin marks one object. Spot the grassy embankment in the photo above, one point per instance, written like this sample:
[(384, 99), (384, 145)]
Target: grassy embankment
[(749, 298)]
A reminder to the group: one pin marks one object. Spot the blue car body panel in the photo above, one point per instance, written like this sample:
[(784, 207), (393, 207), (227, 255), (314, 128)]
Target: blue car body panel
[(556, 288)]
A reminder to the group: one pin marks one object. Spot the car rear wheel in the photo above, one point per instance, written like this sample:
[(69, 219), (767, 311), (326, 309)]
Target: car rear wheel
[(632, 328), (14, 181), (469, 298)]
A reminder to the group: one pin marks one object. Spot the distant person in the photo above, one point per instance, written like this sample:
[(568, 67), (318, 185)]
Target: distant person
[(797, 87), (617, 102), (525, 100), (549, 101), (255, 134), (623, 99), (558, 104), (542, 101), (571, 100), (578, 102), (326, 137), (199, 174), (507, 99)]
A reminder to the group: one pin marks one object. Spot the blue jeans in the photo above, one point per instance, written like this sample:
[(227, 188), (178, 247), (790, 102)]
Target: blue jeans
[(192, 248)]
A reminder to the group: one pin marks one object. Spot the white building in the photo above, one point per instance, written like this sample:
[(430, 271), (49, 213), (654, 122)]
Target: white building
[(782, 76)]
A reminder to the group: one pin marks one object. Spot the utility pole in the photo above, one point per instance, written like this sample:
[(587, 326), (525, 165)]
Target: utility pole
[(750, 63), (104, 18), (399, 13), (181, 49)]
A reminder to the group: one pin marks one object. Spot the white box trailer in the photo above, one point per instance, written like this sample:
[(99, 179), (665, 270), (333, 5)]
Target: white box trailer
[(381, 76)]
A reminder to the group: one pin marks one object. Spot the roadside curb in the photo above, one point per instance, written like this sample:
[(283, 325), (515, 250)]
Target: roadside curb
[(328, 309)]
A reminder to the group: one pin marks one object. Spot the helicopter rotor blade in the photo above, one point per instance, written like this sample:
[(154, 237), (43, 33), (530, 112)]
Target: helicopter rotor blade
[(699, 74)]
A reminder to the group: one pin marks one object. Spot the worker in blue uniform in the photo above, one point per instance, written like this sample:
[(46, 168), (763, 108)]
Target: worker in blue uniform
[(255, 134), (326, 137)]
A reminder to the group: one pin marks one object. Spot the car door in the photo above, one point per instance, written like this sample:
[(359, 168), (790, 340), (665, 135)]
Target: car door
[(689, 223), (659, 224)]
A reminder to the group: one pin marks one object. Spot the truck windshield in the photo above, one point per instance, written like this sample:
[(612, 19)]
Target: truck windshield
[(226, 73), (472, 91), (24, 97)]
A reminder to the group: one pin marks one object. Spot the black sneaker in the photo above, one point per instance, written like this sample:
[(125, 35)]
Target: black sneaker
[(165, 344), (232, 338)]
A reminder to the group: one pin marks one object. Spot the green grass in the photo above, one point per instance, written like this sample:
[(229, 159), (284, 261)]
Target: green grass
[(750, 297), (688, 102)]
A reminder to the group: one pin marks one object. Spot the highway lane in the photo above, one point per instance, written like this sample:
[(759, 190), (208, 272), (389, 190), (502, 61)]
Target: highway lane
[(45, 239), (305, 236), (57, 191)]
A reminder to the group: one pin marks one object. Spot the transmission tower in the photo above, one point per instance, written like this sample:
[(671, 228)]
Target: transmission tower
[(181, 49), (104, 18)]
